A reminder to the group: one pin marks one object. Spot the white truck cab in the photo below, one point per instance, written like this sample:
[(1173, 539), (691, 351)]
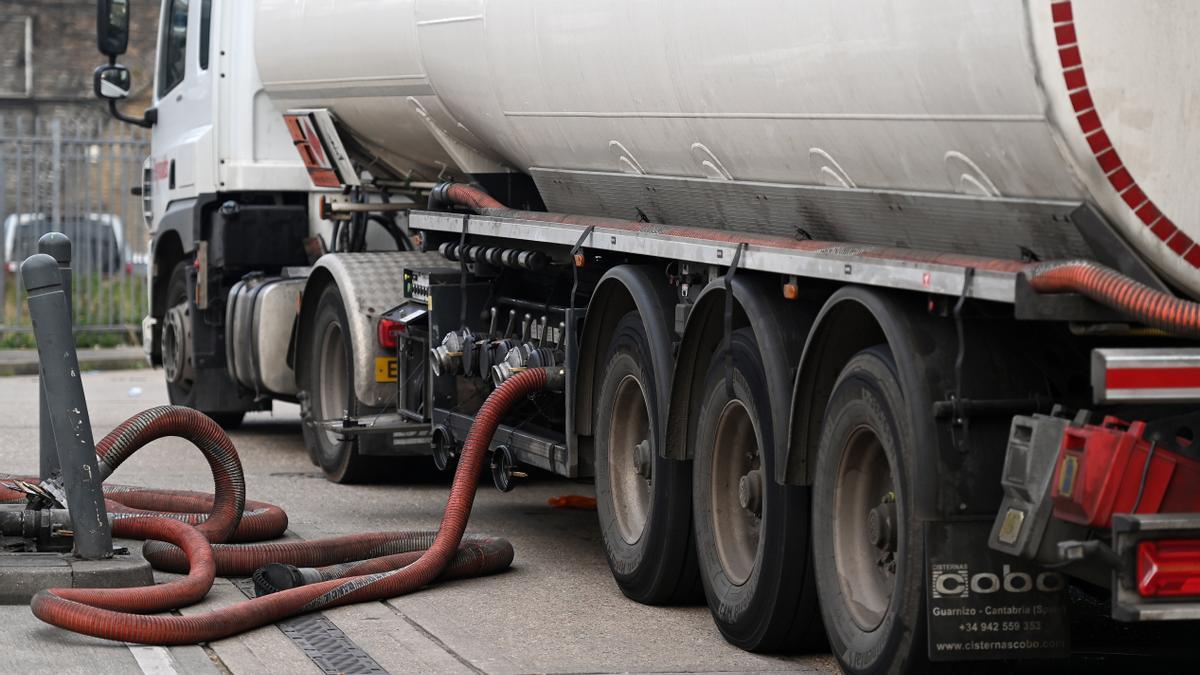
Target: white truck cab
[(216, 130), (223, 185)]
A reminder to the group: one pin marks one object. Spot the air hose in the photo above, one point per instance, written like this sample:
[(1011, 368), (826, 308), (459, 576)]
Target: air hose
[(1104, 285), (330, 576)]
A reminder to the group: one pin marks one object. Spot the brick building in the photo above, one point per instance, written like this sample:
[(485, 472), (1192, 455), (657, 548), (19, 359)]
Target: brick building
[(48, 53)]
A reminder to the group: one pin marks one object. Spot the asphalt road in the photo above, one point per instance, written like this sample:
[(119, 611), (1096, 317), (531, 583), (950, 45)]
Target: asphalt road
[(557, 610)]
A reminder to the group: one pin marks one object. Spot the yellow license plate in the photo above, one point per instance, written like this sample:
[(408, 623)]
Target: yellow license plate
[(385, 369)]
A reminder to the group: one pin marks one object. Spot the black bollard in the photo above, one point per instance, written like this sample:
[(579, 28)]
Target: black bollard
[(58, 246), (67, 406)]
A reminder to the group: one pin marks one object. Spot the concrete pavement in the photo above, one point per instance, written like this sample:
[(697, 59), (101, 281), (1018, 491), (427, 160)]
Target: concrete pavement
[(557, 610)]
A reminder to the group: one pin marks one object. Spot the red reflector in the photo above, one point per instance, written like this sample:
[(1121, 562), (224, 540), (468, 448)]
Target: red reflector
[(1168, 568), (388, 330), (1179, 377), (308, 143)]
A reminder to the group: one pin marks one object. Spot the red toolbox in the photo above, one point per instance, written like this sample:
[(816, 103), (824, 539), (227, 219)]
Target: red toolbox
[(1100, 471)]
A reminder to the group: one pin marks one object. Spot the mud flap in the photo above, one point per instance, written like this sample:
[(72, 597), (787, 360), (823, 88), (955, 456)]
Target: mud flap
[(983, 604)]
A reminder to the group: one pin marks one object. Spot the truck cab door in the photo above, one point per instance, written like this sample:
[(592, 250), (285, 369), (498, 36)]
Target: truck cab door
[(182, 142)]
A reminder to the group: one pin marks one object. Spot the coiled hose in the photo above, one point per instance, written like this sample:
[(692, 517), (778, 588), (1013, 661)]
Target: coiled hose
[(1106, 286), (409, 560), (224, 516)]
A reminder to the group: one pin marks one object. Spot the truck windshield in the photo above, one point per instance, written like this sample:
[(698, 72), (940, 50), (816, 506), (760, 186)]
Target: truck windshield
[(173, 59)]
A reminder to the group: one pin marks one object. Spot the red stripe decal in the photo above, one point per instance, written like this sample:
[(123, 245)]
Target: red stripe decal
[(1164, 228), (1180, 243), (1121, 180), (1152, 378), (1134, 197), (1063, 16), (1070, 57), (1109, 160), (1061, 11), (1099, 141), (1082, 100), (1089, 122), (1075, 79), (1149, 213)]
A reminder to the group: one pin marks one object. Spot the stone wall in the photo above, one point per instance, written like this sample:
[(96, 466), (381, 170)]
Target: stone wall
[(61, 59)]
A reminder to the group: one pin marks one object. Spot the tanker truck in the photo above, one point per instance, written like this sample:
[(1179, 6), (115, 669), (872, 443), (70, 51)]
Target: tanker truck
[(878, 320)]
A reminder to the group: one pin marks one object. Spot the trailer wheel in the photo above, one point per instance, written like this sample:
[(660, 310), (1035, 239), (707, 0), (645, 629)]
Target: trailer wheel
[(177, 348), (329, 381), (752, 534), (866, 539), (643, 499)]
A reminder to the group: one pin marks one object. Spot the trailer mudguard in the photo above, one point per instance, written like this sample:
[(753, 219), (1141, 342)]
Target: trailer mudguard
[(621, 289), (370, 284), (780, 329), (960, 465)]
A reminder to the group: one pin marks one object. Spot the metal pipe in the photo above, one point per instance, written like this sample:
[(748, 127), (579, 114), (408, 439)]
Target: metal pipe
[(329, 208), (530, 305), (57, 246), (512, 323), (67, 406)]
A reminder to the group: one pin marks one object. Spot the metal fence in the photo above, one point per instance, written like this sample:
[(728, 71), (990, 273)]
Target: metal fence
[(75, 177)]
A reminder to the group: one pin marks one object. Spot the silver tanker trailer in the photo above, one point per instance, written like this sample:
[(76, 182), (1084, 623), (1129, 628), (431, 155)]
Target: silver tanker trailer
[(878, 318)]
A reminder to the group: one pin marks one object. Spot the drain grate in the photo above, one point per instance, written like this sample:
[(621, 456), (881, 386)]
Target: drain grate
[(329, 648)]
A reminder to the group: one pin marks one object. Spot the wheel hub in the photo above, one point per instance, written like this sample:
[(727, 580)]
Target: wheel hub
[(736, 490), (881, 526), (177, 366), (630, 459), (750, 492), (643, 460), (333, 389), (867, 528)]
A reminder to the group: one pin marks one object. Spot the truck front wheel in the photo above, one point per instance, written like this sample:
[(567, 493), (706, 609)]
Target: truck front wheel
[(177, 354), (866, 541), (752, 534), (643, 499)]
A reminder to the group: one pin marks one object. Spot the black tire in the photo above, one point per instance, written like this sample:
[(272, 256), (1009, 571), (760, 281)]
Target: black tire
[(872, 628), (180, 392), (328, 337), (646, 523), (756, 570)]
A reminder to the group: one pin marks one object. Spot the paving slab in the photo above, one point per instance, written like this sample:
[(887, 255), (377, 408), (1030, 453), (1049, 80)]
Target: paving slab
[(22, 575)]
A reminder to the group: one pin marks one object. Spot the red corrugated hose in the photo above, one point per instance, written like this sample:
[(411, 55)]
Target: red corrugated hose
[(1113, 289), (187, 528)]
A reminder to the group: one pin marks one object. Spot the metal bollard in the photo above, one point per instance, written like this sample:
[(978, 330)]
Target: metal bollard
[(67, 406), (58, 246)]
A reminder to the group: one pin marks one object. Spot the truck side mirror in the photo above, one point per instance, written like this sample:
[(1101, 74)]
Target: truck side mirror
[(112, 82), (112, 27)]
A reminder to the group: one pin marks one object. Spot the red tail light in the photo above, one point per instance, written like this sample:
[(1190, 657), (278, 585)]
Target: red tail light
[(388, 330), (1168, 568)]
